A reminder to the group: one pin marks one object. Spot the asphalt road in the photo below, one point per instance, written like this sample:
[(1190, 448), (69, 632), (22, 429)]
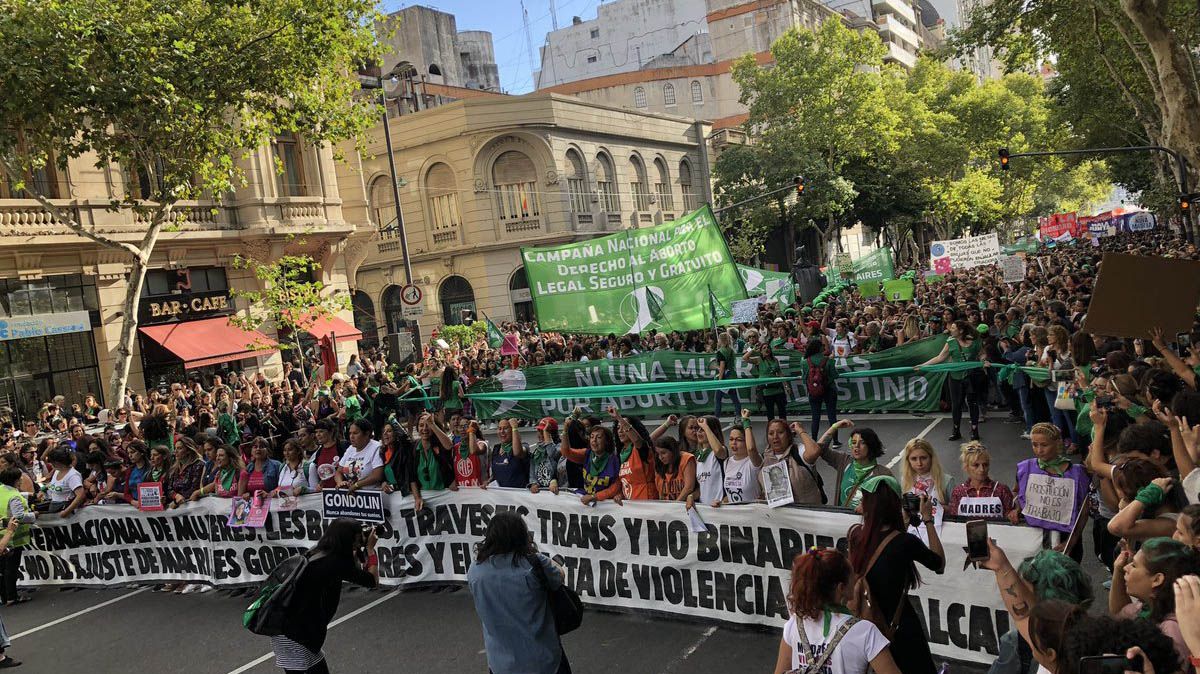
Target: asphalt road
[(120, 629)]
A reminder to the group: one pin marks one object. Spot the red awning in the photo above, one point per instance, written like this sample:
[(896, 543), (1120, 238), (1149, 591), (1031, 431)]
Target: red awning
[(323, 325), (209, 341)]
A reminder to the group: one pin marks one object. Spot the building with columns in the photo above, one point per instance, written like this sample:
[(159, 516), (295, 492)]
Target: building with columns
[(61, 295), (484, 176)]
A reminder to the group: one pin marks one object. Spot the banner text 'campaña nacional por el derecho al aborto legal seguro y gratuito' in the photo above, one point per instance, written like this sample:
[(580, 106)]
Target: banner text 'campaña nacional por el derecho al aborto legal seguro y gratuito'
[(640, 556)]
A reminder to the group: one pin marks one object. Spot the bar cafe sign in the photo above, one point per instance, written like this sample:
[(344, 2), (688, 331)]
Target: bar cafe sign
[(186, 306)]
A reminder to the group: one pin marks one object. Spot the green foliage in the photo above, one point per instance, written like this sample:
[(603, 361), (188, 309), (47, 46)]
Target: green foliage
[(180, 88), (288, 299), (464, 336)]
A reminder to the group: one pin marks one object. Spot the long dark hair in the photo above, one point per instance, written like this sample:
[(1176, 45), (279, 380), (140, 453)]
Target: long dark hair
[(506, 534), (882, 514), (341, 538), (577, 433), (449, 376), (671, 445), (639, 429)]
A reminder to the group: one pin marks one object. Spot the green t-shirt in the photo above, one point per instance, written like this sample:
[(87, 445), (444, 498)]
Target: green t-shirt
[(435, 385), (769, 368), (454, 400), (725, 355), (963, 354)]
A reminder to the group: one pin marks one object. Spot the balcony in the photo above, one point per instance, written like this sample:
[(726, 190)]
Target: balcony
[(899, 55), (26, 217), (891, 26), (898, 7), (522, 225)]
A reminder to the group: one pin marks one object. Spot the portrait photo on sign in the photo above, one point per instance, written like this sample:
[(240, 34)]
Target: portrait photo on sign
[(776, 485)]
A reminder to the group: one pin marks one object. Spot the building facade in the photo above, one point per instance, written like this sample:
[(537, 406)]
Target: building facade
[(440, 54), (485, 176), (62, 295)]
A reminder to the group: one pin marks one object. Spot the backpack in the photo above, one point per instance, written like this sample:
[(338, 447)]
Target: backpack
[(819, 663), (863, 604), (814, 381), (268, 613)]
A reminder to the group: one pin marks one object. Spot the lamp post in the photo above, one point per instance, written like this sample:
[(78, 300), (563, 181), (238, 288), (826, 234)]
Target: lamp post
[(369, 80)]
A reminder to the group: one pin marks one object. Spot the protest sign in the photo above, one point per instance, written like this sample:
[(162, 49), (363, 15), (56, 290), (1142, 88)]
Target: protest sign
[(244, 512), (874, 266), (1134, 293), (965, 253), (1012, 268), (1139, 221), (1050, 498), (657, 277), (775, 286), (745, 311), (898, 290), (150, 496), (870, 288), (642, 556), (910, 391), (777, 488), (364, 506)]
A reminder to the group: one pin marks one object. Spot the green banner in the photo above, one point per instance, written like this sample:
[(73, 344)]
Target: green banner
[(875, 266), (870, 288), (1022, 245), (898, 389), (658, 277), (898, 290), (776, 286)]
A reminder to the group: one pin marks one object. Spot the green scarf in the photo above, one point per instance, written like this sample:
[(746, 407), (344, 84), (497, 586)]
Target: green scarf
[(464, 450), (227, 475), (505, 448), (1052, 466), (702, 454), (537, 453), (427, 469), (852, 477), (155, 475), (829, 611), (597, 464), (626, 452)]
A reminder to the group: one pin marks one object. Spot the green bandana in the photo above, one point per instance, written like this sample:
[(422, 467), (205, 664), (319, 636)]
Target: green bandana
[(702, 454), (597, 464), (427, 469), (464, 450), (625, 452), (829, 611), (1057, 466), (227, 475), (853, 477), (505, 448)]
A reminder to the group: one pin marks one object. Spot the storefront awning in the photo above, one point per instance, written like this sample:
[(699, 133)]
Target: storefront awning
[(321, 326), (209, 341)]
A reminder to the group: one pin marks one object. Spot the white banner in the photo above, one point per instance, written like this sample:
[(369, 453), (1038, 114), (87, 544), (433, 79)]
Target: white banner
[(967, 252), (640, 556), (1013, 268)]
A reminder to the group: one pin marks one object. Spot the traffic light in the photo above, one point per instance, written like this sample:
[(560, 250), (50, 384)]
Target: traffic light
[(1185, 202), (799, 183), (1003, 159)]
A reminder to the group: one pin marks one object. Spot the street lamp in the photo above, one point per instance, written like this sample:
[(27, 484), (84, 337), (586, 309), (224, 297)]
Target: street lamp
[(369, 78)]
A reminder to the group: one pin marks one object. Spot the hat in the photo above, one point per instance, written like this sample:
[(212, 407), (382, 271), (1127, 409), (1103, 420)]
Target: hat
[(789, 312), (778, 321), (547, 423), (982, 328), (872, 484), (935, 318), (806, 310)]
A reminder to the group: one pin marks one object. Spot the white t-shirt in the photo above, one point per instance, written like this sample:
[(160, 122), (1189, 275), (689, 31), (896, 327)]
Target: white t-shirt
[(360, 462), (63, 490), (853, 655), (1191, 486), (305, 474), (708, 476), (741, 480)]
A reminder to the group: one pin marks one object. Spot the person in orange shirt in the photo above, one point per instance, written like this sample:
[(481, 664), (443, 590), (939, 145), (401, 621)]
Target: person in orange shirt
[(637, 459), (675, 472)]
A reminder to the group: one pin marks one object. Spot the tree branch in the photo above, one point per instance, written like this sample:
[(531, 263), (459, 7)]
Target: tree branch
[(56, 213), (1151, 129)]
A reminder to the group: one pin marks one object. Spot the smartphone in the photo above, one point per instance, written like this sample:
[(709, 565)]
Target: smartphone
[(1109, 664), (977, 541)]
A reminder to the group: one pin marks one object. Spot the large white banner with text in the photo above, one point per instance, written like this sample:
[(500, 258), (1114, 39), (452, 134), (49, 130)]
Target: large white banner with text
[(642, 555)]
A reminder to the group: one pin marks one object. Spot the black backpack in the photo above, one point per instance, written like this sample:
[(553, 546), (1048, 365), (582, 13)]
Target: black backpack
[(268, 614)]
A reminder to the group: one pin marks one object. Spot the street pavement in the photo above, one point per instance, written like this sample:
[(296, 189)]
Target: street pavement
[(434, 632)]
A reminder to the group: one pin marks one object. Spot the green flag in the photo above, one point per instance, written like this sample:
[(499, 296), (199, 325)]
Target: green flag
[(494, 337), (870, 288), (874, 266), (719, 315), (606, 284), (655, 304), (776, 286)]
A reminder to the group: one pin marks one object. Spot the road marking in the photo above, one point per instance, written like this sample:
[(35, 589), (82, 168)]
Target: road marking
[(922, 434), (691, 649), (355, 613), (76, 614)]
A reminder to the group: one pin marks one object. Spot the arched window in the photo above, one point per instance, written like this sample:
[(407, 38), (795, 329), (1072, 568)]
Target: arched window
[(638, 186), (364, 319), (639, 97), (458, 300), (662, 185), (606, 184), (515, 180), (443, 203), (435, 70), (697, 92), (382, 205), (577, 183), (685, 186), (518, 292), (669, 94)]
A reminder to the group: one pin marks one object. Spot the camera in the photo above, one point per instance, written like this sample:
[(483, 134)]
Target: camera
[(912, 507)]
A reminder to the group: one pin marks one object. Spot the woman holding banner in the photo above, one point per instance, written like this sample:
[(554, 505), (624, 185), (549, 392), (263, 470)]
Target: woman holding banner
[(742, 467), (637, 462), (674, 471), (601, 465), (856, 466), (774, 396), (709, 450), (431, 464)]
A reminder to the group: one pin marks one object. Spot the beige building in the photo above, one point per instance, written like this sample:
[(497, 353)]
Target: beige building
[(62, 295), (484, 176)]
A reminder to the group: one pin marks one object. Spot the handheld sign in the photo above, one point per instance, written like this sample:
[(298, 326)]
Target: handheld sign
[(364, 506), (776, 485), (150, 496)]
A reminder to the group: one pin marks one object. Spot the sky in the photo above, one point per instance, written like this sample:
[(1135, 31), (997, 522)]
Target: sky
[(503, 19)]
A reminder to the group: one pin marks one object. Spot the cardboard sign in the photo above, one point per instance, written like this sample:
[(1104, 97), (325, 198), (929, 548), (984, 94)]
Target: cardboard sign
[(150, 496), (899, 290), (870, 288), (1134, 294), (364, 506), (776, 486), (1050, 498), (1013, 268), (964, 253)]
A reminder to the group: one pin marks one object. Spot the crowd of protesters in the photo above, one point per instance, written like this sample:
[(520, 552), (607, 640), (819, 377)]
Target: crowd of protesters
[(1127, 438)]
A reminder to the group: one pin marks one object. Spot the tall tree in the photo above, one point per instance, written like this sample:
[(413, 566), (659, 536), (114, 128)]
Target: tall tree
[(176, 91)]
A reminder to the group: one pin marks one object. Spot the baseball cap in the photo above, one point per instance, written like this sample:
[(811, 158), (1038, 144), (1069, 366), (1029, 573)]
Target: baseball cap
[(547, 423)]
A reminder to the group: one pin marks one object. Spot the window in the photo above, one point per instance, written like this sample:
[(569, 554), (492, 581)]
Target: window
[(638, 187), (434, 69), (43, 181), (443, 199), (364, 318), (289, 156), (669, 94), (58, 293), (697, 92), (595, 33), (458, 300), (591, 59), (190, 280), (685, 186), (383, 205), (662, 188), (639, 97), (515, 178), (577, 183), (606, 185), (145, 182)]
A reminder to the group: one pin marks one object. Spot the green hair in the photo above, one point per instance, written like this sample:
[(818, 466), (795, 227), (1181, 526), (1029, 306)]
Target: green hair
[(1174, 560), (1054, 575)]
